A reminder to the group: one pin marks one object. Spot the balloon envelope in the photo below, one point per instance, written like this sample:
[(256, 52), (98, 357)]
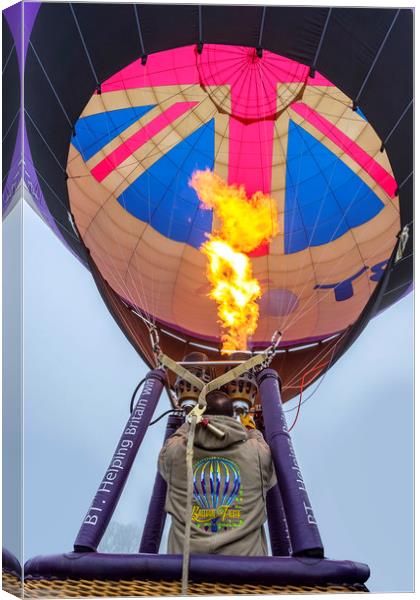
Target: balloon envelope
[(110, 144), (262, 123)]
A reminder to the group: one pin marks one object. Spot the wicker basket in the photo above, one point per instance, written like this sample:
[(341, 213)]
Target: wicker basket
[(12, 583), (82, 588)]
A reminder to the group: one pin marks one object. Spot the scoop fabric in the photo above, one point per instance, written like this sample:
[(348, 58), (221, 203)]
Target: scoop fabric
[(231, 479)]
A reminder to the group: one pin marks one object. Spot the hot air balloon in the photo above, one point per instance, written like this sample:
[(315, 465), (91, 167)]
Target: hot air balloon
[(311, 107), (116, 138)]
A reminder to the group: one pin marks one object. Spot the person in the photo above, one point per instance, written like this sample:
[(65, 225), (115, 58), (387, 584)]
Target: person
[(231, 478)]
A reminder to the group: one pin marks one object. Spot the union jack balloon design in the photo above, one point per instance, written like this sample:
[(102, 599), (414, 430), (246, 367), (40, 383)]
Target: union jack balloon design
[(263, 123)]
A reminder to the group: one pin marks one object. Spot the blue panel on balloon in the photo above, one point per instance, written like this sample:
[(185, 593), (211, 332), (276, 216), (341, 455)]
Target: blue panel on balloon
[(359, 112), (162, 197), (96, 131), (324, 197)]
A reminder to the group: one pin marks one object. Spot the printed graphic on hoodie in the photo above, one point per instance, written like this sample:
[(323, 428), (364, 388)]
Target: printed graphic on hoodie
[(217, 494)]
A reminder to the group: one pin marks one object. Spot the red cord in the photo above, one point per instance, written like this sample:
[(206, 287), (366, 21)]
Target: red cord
[(302, 385), (299, 404)]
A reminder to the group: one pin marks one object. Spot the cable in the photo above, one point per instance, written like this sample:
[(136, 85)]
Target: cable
[(301, 402), (298, 406), (317, 368), (133, 397), (167, 412)]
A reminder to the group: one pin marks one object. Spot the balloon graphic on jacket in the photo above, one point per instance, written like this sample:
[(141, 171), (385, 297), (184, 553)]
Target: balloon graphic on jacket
[(217, 484)]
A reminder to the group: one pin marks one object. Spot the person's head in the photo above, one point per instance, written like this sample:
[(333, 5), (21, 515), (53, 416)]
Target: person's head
[(219, 403)]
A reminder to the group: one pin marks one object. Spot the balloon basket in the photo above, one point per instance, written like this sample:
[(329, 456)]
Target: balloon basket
[(67, 588), (11, 574), (95, 574)]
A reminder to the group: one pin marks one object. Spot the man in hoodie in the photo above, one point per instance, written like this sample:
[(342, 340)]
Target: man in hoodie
[(231, 478)]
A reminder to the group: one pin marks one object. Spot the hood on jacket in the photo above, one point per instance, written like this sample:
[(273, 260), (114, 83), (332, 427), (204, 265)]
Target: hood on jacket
[(234, 432)]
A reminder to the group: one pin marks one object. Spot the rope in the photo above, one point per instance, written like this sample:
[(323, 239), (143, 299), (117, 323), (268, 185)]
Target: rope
[(407, 108), (403, 237), (188, 508), (260, 35), (6, 62), (46, 143), (321, 379), (200, 30), (375, 60), (317, 368), (51, 85), (40, 176), (405, 181), (143, 52), (399, 287), (92, 68), (298, 406), (11, 125), (321, 41)]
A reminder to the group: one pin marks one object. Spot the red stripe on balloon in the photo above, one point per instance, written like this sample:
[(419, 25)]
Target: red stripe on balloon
[(250, 161), (251, 155), (218, 65), (138, 139), (353, 150)]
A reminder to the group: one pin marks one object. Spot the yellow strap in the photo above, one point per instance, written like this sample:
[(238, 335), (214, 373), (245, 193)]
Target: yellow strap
[(195, 417), (188, 508), (217, 383), (181, 371)]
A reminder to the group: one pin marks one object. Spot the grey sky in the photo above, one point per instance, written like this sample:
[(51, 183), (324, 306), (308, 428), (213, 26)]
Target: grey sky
[(353, 439)]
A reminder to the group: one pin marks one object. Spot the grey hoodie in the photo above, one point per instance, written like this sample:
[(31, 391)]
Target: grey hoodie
[(231, 479)]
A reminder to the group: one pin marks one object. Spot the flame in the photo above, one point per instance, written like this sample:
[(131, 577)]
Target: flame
[(245, 224)]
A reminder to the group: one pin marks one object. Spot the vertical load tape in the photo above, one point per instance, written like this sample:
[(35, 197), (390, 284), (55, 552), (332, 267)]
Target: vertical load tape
[(113, 482), (303, 529)]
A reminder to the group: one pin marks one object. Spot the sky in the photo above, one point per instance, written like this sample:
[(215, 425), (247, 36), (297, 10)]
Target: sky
[(353, 440)]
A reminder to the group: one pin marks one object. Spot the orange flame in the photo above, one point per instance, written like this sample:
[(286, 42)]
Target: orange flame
[(245, 224)]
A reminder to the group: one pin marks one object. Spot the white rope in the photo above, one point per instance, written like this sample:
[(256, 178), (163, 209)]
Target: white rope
[(375, 60), (92, 68), (46, 143), (407, 108), (11, 124), (321, 41), (51, 85), (6, 62)]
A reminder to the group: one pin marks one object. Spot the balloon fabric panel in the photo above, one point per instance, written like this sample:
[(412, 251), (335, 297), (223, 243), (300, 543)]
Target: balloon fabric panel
[(261, 123)]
